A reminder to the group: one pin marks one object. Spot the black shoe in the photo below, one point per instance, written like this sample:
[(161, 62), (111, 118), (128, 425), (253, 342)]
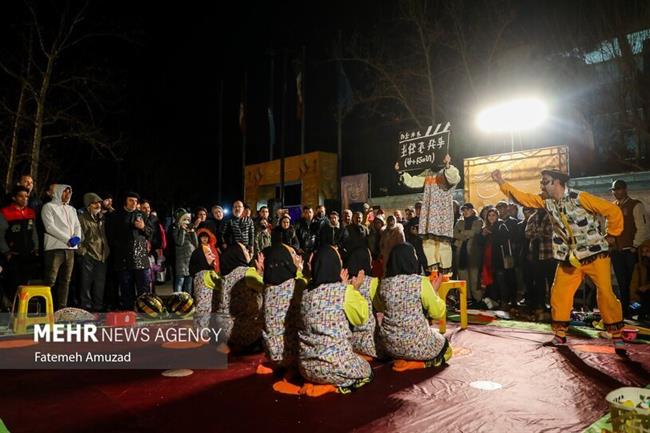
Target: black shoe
[(619, 348), (556, 341)]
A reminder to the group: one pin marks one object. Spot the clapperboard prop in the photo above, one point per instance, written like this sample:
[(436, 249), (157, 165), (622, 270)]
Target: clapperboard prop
[(419, 151)]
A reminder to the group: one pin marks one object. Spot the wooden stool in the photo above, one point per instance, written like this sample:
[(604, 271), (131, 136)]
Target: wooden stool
[(23, 296), (443, 291)]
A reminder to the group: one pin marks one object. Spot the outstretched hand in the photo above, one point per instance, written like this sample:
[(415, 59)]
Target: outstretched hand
[(497, 177)]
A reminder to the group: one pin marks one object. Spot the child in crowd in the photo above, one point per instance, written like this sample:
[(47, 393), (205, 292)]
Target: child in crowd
[(186, 243)]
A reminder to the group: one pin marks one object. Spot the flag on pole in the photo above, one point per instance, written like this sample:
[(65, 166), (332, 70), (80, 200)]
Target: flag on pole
[(344, 90), (242, 118), (271, 127), (299, 106)]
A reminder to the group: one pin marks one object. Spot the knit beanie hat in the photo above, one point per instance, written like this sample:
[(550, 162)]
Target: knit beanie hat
[(91, 197)]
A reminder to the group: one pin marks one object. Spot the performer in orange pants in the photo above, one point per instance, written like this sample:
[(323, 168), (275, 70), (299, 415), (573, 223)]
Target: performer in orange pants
[(578, 245)]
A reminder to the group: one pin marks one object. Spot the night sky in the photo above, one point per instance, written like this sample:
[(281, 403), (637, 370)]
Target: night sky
[(164, 65)]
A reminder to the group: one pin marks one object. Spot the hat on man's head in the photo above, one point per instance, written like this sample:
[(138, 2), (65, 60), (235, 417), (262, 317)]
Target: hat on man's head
[(618, 184), (131, 194), (467, 206), (90, 198), (556, 174), (501, 203)]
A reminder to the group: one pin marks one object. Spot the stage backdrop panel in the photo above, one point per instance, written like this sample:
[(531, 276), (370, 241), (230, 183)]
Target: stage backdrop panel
[(522, 169), (355, 189)]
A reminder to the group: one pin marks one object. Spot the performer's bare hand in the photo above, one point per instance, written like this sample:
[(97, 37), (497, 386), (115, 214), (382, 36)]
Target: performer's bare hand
[(497, 177), (259, 263), (345, 277), (358, 280), (437, 282), (447, 160), (397, 166)]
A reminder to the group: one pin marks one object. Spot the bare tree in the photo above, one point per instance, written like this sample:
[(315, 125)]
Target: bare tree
[(63, 97), (428, 57)]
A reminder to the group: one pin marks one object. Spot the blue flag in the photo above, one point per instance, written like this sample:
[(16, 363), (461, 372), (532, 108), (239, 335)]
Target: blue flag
[(344, 90)]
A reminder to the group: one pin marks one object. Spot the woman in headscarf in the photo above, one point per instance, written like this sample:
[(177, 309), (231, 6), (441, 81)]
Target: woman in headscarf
[(392, 235), (285, 233), (374, 239), (282, 297), (204, 269), (329, 306), (406, 299), (239, 302), (359, 263), (494, 241)]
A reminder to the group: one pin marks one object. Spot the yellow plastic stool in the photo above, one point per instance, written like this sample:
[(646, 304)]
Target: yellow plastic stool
[(23, 296), (443, 291)]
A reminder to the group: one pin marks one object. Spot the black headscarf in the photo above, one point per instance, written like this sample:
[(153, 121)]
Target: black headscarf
[(359, 259), (402, 261), (232, 258), (326, 266), (278, 264)]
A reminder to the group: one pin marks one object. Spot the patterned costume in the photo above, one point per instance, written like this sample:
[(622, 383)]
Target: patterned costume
[(363, 336), (204, 286), (437, 215), (405, 332), (282, 320), (326, 355), (581, 250), (239, 306)]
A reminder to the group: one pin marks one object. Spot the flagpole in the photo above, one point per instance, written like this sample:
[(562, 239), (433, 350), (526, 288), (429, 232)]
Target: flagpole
[(304, 106), (243, 131), (339, 118), (283, 136), (270, 110), (220, 141)]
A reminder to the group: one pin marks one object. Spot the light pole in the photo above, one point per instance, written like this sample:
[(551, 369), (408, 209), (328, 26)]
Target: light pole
[(516, 115)]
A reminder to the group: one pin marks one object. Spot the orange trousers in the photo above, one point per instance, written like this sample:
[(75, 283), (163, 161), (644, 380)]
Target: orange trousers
[(568, 279)]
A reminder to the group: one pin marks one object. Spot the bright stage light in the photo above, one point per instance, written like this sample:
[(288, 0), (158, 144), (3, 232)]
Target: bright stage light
[(516, 115)]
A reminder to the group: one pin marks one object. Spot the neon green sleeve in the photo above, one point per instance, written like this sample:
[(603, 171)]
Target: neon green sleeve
[(374, 284), (254, 280), (355, 306), (433, 304), (210, 279), (301, 281)]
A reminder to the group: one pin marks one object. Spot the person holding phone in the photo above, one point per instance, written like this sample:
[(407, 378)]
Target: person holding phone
[(128, 235)]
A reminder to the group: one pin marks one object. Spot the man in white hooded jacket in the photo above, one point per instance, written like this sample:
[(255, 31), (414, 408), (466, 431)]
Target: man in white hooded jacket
[(62, 237)]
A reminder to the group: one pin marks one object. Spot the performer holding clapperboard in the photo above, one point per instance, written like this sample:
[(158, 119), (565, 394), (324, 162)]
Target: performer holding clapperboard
[(427, 157)]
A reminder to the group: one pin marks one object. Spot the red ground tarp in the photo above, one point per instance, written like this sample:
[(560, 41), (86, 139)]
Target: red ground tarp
[(543, 390)]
